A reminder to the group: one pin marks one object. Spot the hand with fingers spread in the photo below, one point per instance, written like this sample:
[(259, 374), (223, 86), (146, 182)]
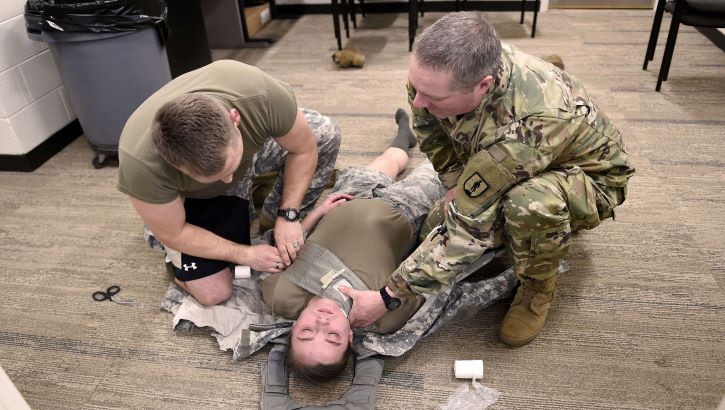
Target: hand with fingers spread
[(333, 201), (330, 203), (289, 238), (264, 258), (367, 306)]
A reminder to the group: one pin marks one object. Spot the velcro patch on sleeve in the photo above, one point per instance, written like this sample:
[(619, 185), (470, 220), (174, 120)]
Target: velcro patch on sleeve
[(483, 180), (475, 185)]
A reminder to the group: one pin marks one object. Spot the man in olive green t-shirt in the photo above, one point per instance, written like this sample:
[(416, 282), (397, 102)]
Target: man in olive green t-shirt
[(187, 157)]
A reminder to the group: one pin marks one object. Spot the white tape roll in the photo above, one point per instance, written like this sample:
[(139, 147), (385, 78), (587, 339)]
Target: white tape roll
[(468, 369), (242, 272)]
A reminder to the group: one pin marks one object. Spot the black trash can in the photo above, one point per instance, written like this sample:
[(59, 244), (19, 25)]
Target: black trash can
[(110, 55)]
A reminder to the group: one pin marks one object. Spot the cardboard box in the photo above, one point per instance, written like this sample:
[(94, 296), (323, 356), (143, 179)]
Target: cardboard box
[(257, 17)]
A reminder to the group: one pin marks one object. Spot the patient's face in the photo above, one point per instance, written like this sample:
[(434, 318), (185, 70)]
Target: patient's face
[(322, 333)]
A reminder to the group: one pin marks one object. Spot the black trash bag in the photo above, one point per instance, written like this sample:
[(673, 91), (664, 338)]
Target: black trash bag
[(102, 16)]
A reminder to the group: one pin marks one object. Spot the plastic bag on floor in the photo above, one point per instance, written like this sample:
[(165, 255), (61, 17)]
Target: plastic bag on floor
[(474, 396)]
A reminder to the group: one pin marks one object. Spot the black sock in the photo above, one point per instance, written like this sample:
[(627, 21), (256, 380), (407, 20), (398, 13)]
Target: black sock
[(405, 139)]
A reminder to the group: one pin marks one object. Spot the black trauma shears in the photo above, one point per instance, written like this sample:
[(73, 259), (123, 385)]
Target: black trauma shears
[(111, 294)]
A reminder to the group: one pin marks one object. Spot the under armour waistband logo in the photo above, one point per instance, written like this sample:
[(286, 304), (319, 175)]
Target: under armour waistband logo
[(192, 266)]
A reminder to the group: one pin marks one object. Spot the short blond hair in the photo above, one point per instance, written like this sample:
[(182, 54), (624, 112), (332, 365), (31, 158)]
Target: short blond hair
[(193, 131)]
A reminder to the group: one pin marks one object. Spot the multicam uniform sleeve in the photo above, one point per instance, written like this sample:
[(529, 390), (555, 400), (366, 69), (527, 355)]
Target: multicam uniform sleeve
[(522, 149), (435, 143), (442, 255)]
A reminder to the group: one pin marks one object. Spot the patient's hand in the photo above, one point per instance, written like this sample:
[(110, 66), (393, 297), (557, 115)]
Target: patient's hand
[(330, 203), (450, 195), (333, 201), (367, 306)]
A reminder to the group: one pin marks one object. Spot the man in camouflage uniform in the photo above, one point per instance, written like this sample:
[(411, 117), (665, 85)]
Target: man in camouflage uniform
[(527, 158), (187, 157)]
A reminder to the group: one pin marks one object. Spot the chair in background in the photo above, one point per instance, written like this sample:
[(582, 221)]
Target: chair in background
[(346, 9), (537, 6), (698, 13), (457, 7), (415, 5)]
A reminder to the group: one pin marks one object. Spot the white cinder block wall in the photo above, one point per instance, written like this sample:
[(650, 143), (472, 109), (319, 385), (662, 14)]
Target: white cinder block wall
[(33, 102)]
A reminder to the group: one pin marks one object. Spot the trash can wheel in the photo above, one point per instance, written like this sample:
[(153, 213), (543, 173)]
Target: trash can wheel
[(100, 161)]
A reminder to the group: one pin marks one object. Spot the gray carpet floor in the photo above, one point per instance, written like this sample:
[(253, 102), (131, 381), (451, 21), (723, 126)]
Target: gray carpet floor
[(638, 323)]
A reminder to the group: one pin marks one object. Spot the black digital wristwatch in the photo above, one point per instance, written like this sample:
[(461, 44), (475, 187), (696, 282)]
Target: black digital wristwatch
[(391, 303), (289, 214)]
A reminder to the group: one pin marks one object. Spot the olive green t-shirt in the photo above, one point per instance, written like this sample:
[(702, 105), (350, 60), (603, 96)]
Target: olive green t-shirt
[(267, 107), (371, 238)]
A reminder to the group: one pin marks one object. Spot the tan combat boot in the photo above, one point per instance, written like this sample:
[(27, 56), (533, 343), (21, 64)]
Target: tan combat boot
[(528, 311)]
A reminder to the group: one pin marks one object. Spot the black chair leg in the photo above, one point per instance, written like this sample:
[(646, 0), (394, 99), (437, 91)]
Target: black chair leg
[(420, 6), (351, 4), (677, 15), (659, 12), (362, 7), (523, 8), (273, 9), (670, 47), (336, 22), (345, 21), (537, 5), (412, 22)]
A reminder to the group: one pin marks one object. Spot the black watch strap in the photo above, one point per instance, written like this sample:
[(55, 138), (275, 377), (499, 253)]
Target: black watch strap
[(289, 214), (391, 303)]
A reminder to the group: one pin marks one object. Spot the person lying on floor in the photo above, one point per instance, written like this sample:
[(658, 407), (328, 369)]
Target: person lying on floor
[(369, 223)]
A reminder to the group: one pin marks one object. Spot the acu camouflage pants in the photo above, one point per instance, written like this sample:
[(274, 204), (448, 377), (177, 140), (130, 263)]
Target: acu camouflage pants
[(411, 196), (268, 166)]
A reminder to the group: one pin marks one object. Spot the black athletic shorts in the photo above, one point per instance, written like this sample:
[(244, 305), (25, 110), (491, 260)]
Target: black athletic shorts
[(226, 216)]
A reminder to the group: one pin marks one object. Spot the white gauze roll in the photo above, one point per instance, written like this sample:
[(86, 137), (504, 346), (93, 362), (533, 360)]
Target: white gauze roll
[(242, 272), (468, 369)]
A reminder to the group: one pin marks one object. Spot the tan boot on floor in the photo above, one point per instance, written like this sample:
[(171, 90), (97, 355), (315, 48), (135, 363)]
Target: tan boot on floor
[(528, 311)]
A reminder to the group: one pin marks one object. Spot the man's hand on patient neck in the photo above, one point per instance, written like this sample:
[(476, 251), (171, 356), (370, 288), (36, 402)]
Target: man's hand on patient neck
[(367, 306)]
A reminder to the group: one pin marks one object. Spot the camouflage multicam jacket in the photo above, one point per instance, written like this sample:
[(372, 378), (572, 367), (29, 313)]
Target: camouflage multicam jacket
[(534, 118)]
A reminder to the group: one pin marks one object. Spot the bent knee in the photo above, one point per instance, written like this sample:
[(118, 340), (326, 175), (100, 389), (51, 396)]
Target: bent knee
[(331, 140), (533, 201), (211, 290), (214, 298)]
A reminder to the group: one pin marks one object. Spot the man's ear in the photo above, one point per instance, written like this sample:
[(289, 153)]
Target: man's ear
[(234, 116), (351, 336), (483, 86)]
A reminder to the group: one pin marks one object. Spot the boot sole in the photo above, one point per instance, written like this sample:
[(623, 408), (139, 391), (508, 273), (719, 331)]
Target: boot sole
[(517, 342)]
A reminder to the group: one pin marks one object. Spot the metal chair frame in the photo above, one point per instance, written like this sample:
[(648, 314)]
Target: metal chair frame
[(346, 9), (682, 13)]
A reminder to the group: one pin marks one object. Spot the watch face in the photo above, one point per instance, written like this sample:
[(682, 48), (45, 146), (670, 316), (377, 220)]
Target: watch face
[(289, 214), (394, 304)]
